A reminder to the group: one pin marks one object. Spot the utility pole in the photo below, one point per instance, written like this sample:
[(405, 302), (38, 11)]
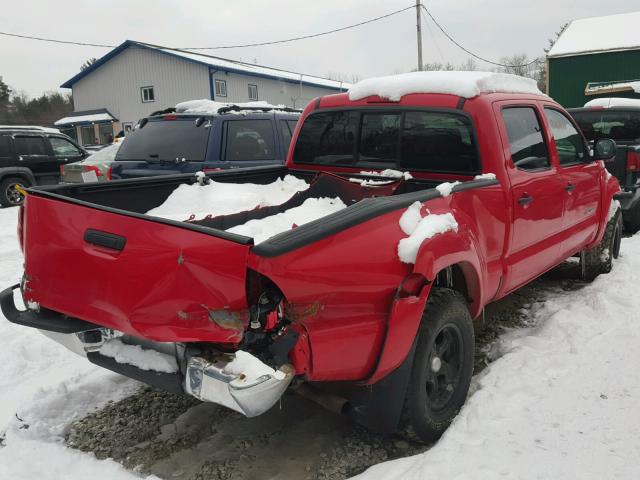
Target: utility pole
[(419, 32)]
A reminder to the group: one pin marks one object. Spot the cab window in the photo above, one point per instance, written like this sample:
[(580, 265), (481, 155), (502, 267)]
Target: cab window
[(569, 143), (528, 149)]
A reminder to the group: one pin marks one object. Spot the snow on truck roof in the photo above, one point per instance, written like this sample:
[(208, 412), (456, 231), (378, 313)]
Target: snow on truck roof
[(210, 107), (599, 34), (462, 84), (613, 102)]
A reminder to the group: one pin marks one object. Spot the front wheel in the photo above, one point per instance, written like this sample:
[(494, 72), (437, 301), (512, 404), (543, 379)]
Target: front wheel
[(442, 367), (10, 195), (599, 259)]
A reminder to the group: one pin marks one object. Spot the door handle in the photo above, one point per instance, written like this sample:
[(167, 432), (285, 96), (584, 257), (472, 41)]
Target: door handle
[(105, 239), (525, 200), (569, 187)]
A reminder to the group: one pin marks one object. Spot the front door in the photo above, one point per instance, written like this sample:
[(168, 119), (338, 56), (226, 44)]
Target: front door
[(536, 195), (581, 177)]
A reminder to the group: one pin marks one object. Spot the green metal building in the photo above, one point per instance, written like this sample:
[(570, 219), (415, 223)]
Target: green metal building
[(596, 57)]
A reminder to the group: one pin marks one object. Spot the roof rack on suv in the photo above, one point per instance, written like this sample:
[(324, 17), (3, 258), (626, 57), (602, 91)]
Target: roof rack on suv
[(236, 108), (29, 127)]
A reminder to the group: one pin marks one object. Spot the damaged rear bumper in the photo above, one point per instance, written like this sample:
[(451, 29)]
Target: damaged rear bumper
[(206, 377)]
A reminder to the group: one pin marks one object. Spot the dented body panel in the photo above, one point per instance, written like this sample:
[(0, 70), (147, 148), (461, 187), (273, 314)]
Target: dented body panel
[(162, 285)]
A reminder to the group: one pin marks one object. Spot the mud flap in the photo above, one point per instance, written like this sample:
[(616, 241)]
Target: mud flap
[(378, 407)]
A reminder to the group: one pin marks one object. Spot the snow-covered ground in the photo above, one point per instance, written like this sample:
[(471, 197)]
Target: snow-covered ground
[(560, 403), (43, 387), (562, 400)]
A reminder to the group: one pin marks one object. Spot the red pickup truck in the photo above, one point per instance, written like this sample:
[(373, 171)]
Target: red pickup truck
[(370, 307)]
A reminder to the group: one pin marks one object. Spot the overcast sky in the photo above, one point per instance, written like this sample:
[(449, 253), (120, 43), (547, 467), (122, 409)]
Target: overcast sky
[(491, 28)]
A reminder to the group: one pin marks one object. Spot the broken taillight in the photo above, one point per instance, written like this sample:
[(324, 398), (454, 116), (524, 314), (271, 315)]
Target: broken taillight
[(109, 177)]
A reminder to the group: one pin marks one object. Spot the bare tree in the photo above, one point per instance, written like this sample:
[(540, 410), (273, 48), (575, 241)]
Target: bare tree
[(88, 63)]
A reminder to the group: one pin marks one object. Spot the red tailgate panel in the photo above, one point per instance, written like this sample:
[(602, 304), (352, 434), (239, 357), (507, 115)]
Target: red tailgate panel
[(161, 286)]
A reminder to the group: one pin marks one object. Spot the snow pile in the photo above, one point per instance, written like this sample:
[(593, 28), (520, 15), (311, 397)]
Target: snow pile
[(419, 229), (485, 176), (365, 182), (613, 102), (311, 209), (463, 84), (446, 188), (611, 32), (217, 198), (209, 107), (139, 357), (388, 173), (614, 206), (250, 367)]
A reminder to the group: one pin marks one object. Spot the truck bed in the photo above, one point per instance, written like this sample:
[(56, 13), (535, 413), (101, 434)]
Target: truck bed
[(92, 256)]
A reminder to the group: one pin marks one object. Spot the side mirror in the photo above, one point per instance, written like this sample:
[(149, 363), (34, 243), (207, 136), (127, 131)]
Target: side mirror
[(604, 149)]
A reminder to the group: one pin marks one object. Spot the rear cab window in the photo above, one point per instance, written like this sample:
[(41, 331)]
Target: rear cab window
[(618, 125), (528, 148), (420, 140), (167, 140), (248, 140)]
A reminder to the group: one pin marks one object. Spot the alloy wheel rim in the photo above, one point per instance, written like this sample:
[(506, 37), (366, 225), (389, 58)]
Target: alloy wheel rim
[(444, 367), (13, 195)]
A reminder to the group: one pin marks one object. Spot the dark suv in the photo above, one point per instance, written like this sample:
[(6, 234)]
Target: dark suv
[(32, 156), (234, 137), (619, 120)]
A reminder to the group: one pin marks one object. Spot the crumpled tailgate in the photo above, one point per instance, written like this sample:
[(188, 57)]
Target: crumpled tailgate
[(145, 278)]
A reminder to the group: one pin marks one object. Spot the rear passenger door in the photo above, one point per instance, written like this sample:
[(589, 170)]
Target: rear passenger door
[(537, 193), (581, 178), (34, 152), (249, 143)]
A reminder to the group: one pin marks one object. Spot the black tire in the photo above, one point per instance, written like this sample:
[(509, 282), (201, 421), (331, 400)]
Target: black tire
[(438, 388), (599, 259), (631, 220), (9, 196)]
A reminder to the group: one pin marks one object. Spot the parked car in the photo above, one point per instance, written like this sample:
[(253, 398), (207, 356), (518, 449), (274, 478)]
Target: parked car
[(618, 119), (95, 168), (233, 137), (373, 304), (31, 155)]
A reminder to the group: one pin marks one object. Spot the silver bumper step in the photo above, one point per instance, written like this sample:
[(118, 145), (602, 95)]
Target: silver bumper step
[(249, 387)]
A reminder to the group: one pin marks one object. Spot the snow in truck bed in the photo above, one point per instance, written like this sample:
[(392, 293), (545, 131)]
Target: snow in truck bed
[(228, 198)]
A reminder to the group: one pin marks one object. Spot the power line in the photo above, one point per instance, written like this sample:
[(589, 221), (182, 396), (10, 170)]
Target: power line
[(51, 40), (258, 44), (304, 37), (470, 52)]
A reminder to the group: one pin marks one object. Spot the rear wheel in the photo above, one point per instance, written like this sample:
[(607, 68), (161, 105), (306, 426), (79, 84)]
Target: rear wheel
[(10, 195), (599, 259), (442, 367)]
